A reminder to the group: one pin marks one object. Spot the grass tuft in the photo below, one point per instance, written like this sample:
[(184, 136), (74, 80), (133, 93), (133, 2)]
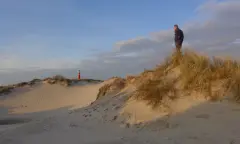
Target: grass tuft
[(214, 77)]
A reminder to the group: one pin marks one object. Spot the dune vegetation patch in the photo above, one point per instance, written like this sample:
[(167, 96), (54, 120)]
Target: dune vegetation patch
[(181, 74), (115, 85), (6, 89), (58, 79), (61, 80)]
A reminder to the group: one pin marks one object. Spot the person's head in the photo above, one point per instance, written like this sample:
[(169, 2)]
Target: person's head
[(175, 27)]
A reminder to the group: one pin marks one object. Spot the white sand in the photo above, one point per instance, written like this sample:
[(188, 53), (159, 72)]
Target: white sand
[(101, 123)]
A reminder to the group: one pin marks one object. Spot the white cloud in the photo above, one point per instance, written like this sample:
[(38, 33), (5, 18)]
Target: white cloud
[(237, 41)]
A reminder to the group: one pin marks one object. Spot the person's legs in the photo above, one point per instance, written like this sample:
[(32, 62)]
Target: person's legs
[(178, 52), (178, 47)]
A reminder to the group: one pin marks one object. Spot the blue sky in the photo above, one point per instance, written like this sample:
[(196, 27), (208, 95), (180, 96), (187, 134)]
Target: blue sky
[(107, 38), (79, 28)]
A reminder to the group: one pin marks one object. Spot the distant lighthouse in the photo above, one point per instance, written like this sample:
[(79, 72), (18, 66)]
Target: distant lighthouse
[(79, 75)]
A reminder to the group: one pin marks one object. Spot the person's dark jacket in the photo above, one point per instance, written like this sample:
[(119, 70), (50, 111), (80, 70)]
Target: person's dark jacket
[(179, 36)]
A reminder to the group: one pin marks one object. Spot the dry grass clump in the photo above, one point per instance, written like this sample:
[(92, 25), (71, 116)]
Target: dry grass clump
[(23, 84), (58, 79), (235, 86), (202, 73), (115, 86), (103, 90), (6, 89), (90, 80), (156, 92), (146, 75), (158, 73), (195, 71), (34, 81), (130, 79), (213, 76)]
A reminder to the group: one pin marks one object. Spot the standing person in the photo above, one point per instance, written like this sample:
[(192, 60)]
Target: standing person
[(179, 37)]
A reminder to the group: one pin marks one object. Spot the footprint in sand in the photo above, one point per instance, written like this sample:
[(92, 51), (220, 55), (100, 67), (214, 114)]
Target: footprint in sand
[(73, 125), (114, 118), (203, 116), (125, 125), (116, 107), (193, 137), (87, 115)]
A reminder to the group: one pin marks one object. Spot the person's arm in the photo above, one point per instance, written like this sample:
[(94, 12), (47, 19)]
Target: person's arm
[(181, 36), (177, 36)]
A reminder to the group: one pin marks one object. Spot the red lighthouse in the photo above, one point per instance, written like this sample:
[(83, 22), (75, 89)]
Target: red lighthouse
[(79, 75)]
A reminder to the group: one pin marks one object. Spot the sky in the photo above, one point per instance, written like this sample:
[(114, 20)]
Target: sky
[(105, 38)]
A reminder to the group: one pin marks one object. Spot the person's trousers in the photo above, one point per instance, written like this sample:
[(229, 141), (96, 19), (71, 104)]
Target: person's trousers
[(178, 46)]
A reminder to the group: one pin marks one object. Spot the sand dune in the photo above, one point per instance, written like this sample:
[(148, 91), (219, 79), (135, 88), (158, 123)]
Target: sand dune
[(110, 113), (49, 97), (107, 120)]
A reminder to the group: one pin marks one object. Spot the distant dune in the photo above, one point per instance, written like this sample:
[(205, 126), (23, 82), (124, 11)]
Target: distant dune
[(49, 97), (58, 79)]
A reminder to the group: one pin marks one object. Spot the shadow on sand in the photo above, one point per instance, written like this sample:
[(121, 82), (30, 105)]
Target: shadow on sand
[(11, 121)]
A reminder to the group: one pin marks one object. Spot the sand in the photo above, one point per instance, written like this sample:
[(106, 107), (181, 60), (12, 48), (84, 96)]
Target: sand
[(53, 114), (46, 97)]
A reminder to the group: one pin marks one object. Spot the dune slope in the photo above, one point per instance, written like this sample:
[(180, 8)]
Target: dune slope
[(49, 97)]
